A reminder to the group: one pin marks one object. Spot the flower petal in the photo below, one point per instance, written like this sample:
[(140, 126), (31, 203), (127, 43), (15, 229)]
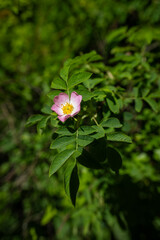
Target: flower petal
[(62, 98), (63, 118), (75, 99), (57, 109), (76, 110)]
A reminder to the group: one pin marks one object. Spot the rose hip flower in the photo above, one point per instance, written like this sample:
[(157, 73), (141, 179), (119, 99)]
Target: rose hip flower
[(66, 107)]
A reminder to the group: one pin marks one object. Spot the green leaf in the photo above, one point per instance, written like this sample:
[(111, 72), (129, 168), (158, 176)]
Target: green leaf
[(152, 103), (34, 119), (85, 130), (155, 95), (100, 132), (86, 95), (53, 93), (65, 70), (91, 83), (117, 34), (113, 106), (62, 142), (145, 92), (138, 104), (99, 95), (42, 124), (135, 91), (71, 181), (46, 109), (114, 159), (118, 137), (75, 79), (58, 83), (84, 140), (65, 131), (112, 123), (74, 185), (67, 175), (59, 160), (54, 121), (95, 58)]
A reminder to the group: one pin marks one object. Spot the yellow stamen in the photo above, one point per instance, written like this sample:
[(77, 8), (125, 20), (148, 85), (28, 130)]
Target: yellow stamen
[(67, 108)]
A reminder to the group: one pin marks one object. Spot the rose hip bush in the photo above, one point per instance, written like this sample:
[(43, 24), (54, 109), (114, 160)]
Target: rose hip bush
[(85, 118)]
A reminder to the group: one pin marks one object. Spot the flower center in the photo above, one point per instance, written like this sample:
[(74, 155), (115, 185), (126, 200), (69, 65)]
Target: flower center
[(67, 108)]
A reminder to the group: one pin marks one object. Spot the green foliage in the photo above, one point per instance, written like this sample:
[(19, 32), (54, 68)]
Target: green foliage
[(118, 196), (71, 181), (70, 140), (59, 160)]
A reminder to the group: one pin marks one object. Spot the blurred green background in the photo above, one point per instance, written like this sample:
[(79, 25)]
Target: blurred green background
[(36, 37)]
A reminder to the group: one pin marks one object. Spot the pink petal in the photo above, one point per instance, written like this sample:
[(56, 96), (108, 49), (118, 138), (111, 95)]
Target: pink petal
[(76, 110), (57, 109), (63, 118), (75, 99), (62, 98)]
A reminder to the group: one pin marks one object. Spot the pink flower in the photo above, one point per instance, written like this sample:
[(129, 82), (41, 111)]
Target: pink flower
[(66, 107)]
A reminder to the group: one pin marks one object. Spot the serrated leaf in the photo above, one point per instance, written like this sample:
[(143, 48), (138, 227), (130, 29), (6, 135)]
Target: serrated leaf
[(58, 83), (65, 131), (62, 142), (100, 132), (59, 160), (65, 70), (84, 140), (114, 159), (138, 104), (112, 123), (118, 137), (152, 103), (85, 130), (34, 119), (75, 79)]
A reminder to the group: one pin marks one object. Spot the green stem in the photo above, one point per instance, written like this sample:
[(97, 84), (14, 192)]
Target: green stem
[(95, 121), (77, 140), (68, 91)]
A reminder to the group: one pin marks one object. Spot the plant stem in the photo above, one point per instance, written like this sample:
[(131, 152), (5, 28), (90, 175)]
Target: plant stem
[(77, 140), (95, 121)]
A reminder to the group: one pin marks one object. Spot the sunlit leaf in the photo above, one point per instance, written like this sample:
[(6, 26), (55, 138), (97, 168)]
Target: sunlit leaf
[(62, 142), (118, 137), (59, 160), (111, 123), (75, 79), (58, 83)]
